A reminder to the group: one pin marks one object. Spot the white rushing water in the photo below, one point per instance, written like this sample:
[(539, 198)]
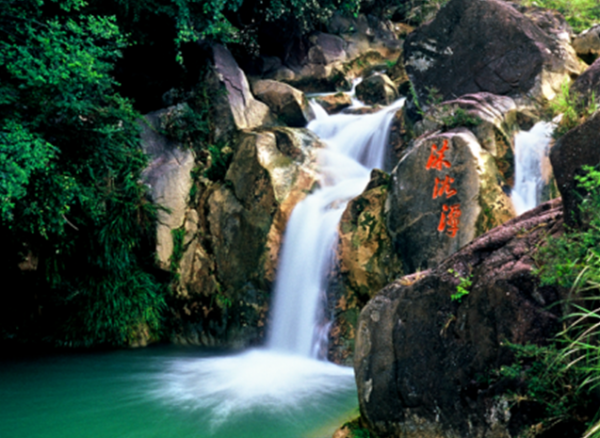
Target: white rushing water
[(531, 166), (287, 373), (355, 145)]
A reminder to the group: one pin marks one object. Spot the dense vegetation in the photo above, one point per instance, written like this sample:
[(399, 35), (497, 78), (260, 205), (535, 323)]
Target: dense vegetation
[(561, 381), (71, 200)]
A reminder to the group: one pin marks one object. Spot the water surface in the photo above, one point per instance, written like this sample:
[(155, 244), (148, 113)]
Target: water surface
[(172, 392)]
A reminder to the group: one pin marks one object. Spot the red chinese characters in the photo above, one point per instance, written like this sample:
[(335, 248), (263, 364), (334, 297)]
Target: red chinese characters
[(443, 187), (449, 220), (450, 216), (436, 159)]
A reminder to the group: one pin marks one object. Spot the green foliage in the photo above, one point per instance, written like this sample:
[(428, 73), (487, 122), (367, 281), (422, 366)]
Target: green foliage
[(565, 377), (71, 167), (414, 12), (224, 21), (546, 379), (573, 259), (178, 238), (580, 14), (220, 157), (357, 430), (464, 284), (574, 109), (21, 155), (186, 125), (455, 117)]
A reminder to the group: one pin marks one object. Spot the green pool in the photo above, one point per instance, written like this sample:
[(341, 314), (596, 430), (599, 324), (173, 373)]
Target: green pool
[(168, 391)]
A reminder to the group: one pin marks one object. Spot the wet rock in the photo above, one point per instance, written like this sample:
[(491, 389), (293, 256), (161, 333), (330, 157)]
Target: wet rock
[(286, 102), (366, 263), (232, 239), (169, 179), (445, 191), (334, 103), (422, 359), (473, 46), (377, 89), (580, 146)]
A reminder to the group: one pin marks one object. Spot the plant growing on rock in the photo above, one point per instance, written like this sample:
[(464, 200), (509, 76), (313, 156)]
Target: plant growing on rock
[(564, 377), (572, 109), (463, 287)]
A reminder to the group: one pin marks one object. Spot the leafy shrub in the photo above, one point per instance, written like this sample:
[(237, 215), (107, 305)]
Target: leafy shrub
[(572, 109), (564, 378), (551, 387), (71, 164)]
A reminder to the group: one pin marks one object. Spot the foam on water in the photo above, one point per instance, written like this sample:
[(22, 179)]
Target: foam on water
[(257, 379)]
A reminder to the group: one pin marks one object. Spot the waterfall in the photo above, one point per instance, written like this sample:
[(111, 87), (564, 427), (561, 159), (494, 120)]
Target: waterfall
[(531, 166), (355, 144), (286, 374)]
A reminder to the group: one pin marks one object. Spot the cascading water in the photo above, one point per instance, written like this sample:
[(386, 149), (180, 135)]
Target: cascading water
[(280, 376), (355, 145), (531, 166)]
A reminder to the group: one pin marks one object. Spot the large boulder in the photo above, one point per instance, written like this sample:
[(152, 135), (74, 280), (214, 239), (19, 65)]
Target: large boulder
[(169, 177), (493, 119), (580, 146), (232, 238), (326, 49), (587, 84), (587, 43), (286, 102), (474, 46), (377, 89), (445, 191), (422, 359), (235, 108)]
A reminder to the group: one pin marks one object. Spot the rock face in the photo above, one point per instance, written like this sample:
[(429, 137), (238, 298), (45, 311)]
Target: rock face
[(588, 82), (246, 111), (474, 46), (366, 263), (286, 102), (445, 192), (233, 236), (377, 89), (580, 146), (422, 358), (170, 181)]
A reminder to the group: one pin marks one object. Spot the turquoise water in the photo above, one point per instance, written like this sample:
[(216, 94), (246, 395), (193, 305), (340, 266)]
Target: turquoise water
[(162, 392)]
